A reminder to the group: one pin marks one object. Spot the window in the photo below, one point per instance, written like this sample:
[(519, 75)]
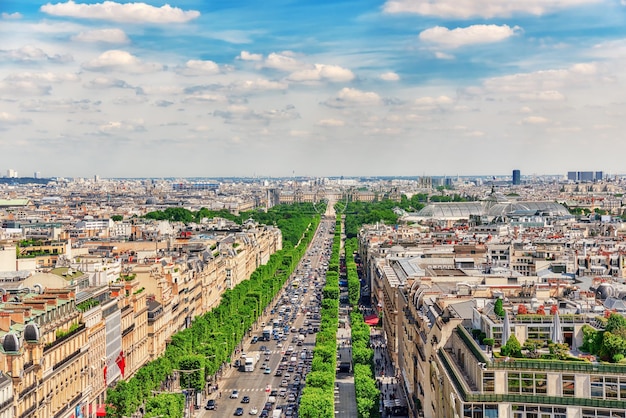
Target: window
[(488, 382), (610, 387), (597, 387), (568, 384), (527, 383)]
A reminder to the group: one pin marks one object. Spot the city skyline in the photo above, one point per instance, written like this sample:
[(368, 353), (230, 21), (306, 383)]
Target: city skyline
[(280, 88)]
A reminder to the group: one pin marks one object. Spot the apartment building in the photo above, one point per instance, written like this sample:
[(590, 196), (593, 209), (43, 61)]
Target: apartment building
[(45, 350)]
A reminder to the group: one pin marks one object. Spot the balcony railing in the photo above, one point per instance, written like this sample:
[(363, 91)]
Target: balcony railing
[(4, 405), (128, 330), (471, 344), (533, 364), (69, 405), (29, 411), (66, 360), (559, 365), (63, 338), (27, 390)]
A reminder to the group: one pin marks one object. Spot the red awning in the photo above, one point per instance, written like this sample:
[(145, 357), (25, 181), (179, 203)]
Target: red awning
[(101, 411), (371, 320)]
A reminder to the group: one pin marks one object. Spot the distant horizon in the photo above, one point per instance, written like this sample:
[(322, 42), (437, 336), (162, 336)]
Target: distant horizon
[(332, 177)]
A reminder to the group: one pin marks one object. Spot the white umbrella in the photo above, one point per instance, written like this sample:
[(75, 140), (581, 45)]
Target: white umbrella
[(506, 328), (557, 331)]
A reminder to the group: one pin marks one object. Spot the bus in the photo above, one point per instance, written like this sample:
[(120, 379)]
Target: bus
[(267, 333)]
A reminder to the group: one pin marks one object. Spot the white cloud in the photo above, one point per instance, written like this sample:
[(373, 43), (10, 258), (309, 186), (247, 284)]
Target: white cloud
[(11, 16), (443, 56), (121, 61), (543, 96), (61, 105), (247, 56), (353, 97), (121, 12), (121, 126), (544, 85), (535, 120), (433, 101), (43, 77), (260, 84), (475, 34), (107, 83), (319, 72), (330, 122), (199, 68), (10, 119), (112, 36), (18, 88), (389, 76), (283, 61), (243, 114), (29, 54), (479, 8)]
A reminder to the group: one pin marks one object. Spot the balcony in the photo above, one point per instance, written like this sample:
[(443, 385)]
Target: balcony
[(27, 390), (66, 360), (128, 330), (6, 404), (69, 406), (29, 411), (66, 337)]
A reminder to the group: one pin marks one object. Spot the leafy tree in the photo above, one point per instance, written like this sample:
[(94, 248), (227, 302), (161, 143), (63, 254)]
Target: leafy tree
[(117, 218), (498, 309), (611, 346), (559, 351), (592, 339), (616, 323), (532, 346), (512, 348)]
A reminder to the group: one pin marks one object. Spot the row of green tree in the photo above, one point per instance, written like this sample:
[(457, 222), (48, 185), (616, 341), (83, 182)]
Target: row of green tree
[(367, 393), (283, 216), (202, 349), (317, 400)]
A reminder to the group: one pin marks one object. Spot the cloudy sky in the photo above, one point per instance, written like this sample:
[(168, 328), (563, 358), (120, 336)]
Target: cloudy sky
[(312, 87)]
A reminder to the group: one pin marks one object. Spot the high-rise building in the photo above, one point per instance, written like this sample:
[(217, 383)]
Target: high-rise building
[(37, 175), (517, 177), (599, 175), (572, 176), (585, 176)]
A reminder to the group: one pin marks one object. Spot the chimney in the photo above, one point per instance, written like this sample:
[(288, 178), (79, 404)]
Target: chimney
[(5, 321)]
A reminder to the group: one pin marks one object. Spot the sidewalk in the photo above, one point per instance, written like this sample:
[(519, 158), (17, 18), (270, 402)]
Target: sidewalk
[(387, 376)]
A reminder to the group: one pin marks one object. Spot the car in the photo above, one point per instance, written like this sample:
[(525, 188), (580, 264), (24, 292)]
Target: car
[(234, 394), (267, 370), (255, 339), (278, 373), (239, 411), (253, 411), (245, 399), (210, 404)]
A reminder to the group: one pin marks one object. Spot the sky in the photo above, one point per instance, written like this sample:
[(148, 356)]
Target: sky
[(278, 88)]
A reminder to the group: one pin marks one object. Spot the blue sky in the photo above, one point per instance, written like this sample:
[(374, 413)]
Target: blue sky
[(315, 88)]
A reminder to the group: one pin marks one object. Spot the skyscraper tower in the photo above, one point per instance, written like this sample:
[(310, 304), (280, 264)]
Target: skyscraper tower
[(517, 177)]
